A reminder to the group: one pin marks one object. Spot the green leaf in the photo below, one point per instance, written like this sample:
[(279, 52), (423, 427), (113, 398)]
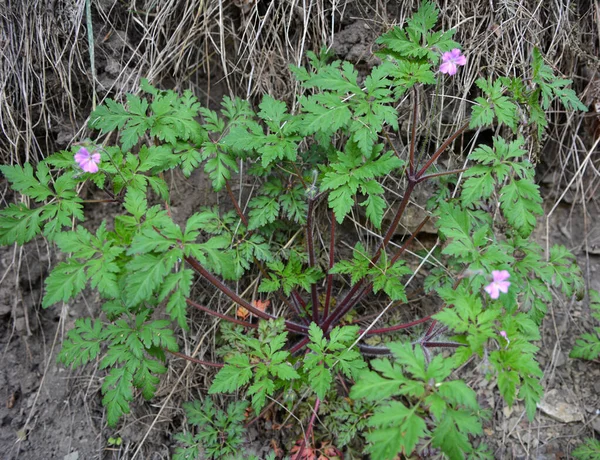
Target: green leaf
[(372, 386), (19, 224), (263, 210), (179, 285), (66, 281), (235, 374), (82, 343), (22, 180), (145, 273), (117, 394), (320, 379), (409, 429), (589, 450), (520, 202)]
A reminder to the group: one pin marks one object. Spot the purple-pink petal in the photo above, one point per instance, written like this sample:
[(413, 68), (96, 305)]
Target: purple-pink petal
[(87, 161), (448, 67), (492, 290), (500, 275), (498, 284), (450, 61)]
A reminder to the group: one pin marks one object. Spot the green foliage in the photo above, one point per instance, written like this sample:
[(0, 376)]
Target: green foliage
[(349, 420), (587, 345), (384, 276), (262, 363), (329, 356), (169, 117), (552, 87), (494, 105), (328, 155), (417, 41), (20, 223), (352, 173), (132, 352), (422, 393), (220, 434), (290, 275), (93, 259), (589, 450)]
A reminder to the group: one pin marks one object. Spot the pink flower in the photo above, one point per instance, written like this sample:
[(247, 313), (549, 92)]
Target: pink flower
[(87, 161), (503, 334), (450, 61), (498, 284)]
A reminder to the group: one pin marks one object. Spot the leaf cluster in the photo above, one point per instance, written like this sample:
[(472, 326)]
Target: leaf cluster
[(417, 404), (220, 434), (263, 363), (587, 345), (134, 351)]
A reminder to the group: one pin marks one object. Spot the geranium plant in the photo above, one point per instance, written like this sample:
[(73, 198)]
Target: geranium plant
[(329, 157)]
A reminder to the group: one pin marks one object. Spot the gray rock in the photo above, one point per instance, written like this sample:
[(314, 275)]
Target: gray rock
[(559, 405)]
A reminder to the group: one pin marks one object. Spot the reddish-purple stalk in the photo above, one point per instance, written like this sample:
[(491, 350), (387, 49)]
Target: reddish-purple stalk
[(413, 136), (299, 307), (216, 282), (309, 429), (231, 319), (236, 205), (361, 288), (310, 246), (331, 262), (194, 360), (367, 289)]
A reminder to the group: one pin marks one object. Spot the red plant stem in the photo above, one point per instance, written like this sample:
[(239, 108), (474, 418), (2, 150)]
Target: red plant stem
[(392, 228), (238, 210), (194, 360), (296, 348), (310, 246), (331, 262), (290, 325), (346, 304), (341, 309), (413, 136), (349, 302), (299, 298), (398, 327), (441, 150), (444, 344), (299, 307), (445, 173), (221, 315), (370, 350), (413, 179), (409, 240), (298, 455), (430, 329), (399, 253)]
